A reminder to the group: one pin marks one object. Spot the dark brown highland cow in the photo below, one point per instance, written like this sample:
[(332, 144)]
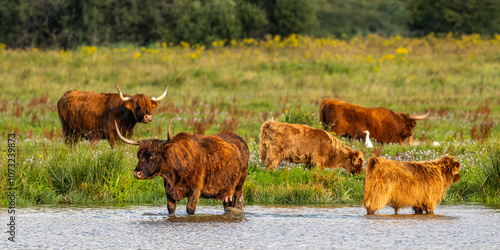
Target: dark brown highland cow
[(194, 166), (302, 144), (385, 125), (90, 115), (420, 185)]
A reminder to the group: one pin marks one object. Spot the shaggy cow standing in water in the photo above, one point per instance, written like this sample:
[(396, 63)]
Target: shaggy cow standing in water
[(420, 185), (302, 144), (194, 166), (90, 115)]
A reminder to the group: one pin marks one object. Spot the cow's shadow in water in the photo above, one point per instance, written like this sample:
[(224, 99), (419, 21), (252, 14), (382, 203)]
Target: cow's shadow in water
[(409, 217), (180, 217)]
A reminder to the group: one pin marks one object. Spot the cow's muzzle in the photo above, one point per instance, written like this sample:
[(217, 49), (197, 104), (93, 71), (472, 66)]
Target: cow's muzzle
[(139, 175), (147, 118)]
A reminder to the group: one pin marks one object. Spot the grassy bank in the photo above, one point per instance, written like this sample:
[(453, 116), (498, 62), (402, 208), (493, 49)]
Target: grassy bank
[(50, 173), (239, 87)]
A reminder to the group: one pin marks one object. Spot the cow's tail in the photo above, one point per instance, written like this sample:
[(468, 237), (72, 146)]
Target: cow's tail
[(324, 109), (322, 115), (264, 138)]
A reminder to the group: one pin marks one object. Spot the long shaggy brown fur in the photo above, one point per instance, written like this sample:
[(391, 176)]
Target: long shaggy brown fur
[(302, 144), (420, 185), (384, 125), (90, 115), (194, 166)]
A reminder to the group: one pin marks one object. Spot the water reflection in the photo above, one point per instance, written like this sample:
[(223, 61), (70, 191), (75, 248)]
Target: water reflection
[(411, 217), (347, 226), (197, 218)]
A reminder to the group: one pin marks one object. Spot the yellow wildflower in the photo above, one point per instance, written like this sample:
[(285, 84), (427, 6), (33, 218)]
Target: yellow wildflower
[(369, 58), (184, 44), (386, 57), (137, 55), (402, 51)]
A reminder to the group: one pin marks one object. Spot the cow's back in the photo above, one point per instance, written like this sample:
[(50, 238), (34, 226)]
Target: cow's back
[(295, 143)]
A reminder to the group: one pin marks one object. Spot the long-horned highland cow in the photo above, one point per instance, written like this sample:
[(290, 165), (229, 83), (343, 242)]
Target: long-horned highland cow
[(194, 166), (385, 125), (90, 115), (303, 144), (419, 185)]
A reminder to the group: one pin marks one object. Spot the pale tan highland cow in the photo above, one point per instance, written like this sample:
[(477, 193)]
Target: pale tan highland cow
[(296, 143), (419, 185)]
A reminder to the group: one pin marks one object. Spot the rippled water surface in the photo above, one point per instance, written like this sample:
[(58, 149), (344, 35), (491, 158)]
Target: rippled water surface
[(453, 226)]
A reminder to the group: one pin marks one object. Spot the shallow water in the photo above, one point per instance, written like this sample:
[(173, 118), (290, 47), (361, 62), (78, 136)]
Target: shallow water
[(453, 226)]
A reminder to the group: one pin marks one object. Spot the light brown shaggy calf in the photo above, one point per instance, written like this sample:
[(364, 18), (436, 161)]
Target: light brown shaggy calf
[(420, 185), (302, 144)]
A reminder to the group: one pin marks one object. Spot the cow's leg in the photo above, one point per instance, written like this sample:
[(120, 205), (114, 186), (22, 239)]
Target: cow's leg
[(263, 153), (66, 132), (71, 137), (339, 128), (170, 202), (112, 137), (429, 208), (238, 194), (373, 203), (369, 210), (170, 205), (193, 198), (396, 210), (418, 210)]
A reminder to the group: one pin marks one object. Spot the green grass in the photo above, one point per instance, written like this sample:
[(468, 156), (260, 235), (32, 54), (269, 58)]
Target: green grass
[(240, 87), (51, 173)]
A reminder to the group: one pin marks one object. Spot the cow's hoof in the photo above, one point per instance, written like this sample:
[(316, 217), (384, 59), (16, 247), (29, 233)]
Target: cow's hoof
[(233, 210), (190, 211)]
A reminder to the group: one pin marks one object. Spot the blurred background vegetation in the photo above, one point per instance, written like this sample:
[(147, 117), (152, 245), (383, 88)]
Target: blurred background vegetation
[(68, 24)]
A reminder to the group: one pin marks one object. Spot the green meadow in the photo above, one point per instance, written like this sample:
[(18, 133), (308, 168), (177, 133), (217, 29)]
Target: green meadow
[(239, 85)]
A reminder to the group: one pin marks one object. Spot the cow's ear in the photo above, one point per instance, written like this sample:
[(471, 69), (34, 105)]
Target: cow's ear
[(129, 106), (154, 104)]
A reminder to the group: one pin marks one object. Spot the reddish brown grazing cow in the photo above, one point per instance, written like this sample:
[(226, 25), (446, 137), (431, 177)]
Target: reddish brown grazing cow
[(302, 144), (194, 166), (90, 115), (420, 185), (385, 125)]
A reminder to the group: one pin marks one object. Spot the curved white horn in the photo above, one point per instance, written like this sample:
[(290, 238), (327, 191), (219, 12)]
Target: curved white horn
[(132, 142), (420, 117), (169, 135), (123, 98), (159, 98)]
